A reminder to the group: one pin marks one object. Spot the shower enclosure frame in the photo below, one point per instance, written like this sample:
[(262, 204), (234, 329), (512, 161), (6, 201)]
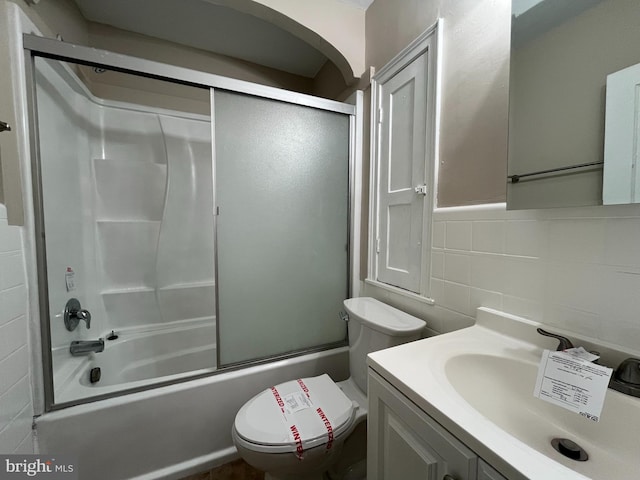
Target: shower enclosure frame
[(36, 46)]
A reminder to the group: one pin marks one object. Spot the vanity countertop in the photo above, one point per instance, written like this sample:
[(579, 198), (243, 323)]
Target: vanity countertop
[(478, 383)]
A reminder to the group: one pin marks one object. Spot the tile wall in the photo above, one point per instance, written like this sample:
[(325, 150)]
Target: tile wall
[(575, 269), (16, 408)]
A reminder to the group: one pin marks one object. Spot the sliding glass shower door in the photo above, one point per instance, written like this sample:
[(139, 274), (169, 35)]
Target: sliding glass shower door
[(282, 189), (184, 222), (127, 204)]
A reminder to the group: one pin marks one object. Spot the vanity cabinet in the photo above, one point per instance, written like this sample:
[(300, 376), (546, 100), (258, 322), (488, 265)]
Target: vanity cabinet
[(404, 442), (487, 472)]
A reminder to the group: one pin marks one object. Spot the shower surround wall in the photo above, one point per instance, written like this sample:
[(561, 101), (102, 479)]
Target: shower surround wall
[(128, 206), (154, 218)]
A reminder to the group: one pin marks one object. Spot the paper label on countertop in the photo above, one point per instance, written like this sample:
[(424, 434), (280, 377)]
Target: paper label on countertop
[(567, 380)]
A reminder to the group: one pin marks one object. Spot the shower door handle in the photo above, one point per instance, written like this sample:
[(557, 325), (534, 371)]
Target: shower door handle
[(4, 127)]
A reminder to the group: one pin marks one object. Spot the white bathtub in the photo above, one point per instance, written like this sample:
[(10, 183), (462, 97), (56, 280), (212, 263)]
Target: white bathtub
[(173, 431), (138, 357)]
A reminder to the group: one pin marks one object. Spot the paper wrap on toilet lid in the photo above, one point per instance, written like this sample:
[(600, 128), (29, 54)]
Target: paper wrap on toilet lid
[(298, 414)]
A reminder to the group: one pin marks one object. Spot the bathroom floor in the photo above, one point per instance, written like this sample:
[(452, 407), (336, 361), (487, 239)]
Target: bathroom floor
[(238, 470)]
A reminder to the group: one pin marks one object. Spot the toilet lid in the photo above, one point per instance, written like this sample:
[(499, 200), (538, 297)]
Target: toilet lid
[(296, 415), (383, 318)]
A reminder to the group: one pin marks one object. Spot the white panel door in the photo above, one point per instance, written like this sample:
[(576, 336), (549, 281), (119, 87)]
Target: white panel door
[(402, 175), (621, 182)]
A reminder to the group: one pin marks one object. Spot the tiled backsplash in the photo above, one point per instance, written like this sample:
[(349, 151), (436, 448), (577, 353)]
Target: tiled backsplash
[(575, 269), (16, 410)]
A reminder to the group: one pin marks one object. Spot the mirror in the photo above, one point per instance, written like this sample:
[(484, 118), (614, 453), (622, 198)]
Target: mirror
[(562, 54)]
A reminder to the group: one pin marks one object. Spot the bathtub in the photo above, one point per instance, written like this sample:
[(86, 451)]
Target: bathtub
[(138, 357), (172, 431)]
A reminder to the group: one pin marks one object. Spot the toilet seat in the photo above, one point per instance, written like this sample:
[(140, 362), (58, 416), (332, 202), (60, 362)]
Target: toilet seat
[(295, 416)]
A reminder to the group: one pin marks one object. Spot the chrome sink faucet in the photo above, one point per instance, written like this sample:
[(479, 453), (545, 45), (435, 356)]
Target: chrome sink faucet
[(625, 379), (84, 347), (564, 344)]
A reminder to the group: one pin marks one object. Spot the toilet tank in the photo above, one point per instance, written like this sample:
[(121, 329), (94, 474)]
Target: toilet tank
[(373, 326)]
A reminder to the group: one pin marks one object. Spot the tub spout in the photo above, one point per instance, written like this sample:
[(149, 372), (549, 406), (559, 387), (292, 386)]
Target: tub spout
[(83, 347)]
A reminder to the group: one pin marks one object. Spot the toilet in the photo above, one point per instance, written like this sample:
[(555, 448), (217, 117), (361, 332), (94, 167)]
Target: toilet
[(296, 429)]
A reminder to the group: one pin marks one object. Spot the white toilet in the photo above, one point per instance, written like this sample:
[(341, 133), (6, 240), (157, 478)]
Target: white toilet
[(296, 430)]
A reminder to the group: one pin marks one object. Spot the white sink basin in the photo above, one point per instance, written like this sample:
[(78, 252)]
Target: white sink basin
[(479, 382), (501, 389)]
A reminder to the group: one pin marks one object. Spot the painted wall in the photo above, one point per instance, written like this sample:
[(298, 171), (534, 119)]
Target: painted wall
[(119, 41), (475, 78), (13, 144), (574, 269), (339, 24), (558, 103), (16, 407), (60, 17), (63, 17)]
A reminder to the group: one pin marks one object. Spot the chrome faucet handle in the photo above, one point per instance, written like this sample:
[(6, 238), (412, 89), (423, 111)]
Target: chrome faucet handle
[(564, 344), (73, 313), (84, 315)]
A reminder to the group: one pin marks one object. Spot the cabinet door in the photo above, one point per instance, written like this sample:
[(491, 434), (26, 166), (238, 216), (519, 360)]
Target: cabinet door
[(404, 442), (487, 472)]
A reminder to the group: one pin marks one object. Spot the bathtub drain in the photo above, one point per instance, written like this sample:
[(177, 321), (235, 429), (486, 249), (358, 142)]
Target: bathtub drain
[(94, 375), (112, 336)]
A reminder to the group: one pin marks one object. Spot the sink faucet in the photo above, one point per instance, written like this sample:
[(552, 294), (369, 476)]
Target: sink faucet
[(83, 347), (564, 344), (626, 378)]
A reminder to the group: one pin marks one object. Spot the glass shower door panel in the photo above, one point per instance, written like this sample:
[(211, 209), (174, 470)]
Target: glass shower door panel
[(127, 189), (282, 230)]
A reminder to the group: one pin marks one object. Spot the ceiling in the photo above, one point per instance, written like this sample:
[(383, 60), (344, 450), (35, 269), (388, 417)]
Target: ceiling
[(204, 25)]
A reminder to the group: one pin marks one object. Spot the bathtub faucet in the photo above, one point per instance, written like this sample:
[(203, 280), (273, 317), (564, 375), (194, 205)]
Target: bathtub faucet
[(73, 313), (83, 347)]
